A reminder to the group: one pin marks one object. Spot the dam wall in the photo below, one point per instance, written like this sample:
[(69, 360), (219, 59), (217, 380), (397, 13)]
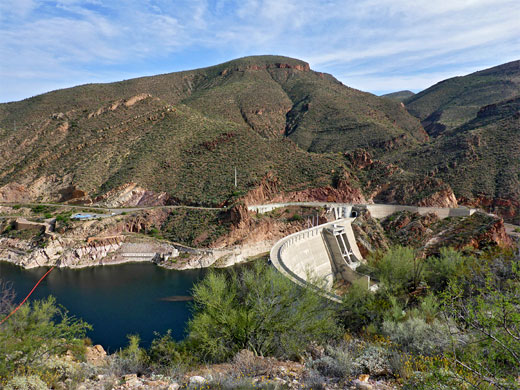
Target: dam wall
[(304, 257)]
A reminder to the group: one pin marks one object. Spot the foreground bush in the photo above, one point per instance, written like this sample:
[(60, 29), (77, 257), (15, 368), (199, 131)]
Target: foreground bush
[(35, 332), (32, 382), (259, 310), (398, 270)]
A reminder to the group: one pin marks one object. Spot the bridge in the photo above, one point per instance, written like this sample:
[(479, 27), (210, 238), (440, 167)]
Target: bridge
[(319, 256)]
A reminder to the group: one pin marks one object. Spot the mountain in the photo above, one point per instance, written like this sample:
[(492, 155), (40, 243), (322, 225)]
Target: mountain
[(453, 102), (475, 146), (178, 137), (399, 96), (292, 134)]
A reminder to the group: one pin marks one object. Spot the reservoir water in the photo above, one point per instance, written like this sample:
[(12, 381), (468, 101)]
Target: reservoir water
[(133, 298)]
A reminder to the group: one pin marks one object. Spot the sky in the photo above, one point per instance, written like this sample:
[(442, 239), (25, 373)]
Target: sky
[(377, 46)]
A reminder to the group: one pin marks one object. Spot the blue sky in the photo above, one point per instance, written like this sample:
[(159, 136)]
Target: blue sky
[(373, 45)]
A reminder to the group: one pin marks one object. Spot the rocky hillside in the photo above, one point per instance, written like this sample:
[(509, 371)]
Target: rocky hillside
[(478, 154), (176, 138), (456, 101), (290, 132)]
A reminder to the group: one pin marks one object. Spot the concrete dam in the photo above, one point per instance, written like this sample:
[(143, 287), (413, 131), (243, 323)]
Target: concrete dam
[(319, 256)]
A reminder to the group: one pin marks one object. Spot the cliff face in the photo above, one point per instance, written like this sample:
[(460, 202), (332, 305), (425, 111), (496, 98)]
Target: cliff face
[(429, 234)]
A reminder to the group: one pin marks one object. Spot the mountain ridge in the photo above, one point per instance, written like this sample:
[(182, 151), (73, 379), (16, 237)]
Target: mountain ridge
[(182, 134)]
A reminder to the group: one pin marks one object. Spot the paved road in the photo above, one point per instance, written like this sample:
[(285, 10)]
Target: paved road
[(107, 212)]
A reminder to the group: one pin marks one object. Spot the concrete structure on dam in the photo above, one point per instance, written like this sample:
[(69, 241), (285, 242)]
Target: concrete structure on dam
[(321, 255)]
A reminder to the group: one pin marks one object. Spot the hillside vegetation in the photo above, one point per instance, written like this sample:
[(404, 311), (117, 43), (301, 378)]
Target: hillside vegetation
[(292, 133), (399, 96), (183, 133), (455, 101), (474, 122)]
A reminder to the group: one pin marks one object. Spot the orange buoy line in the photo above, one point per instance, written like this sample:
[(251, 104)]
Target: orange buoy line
[(28, 295)]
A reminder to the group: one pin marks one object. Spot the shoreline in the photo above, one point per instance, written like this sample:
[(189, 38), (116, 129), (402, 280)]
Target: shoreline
[(212, 258)]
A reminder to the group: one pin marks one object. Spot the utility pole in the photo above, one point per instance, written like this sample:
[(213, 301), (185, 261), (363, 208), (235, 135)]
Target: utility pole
[(236, 182)]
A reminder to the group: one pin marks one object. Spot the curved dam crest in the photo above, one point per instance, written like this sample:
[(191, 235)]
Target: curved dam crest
[(329, 252)]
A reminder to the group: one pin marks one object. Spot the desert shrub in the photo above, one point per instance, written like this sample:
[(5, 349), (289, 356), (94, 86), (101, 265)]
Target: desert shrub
[(361, 307), (398, 270), (491, 317), (312, 379), (37, 330), (438, 379), (257, 309), (329, 367), (373, 360), (439, 270), (353, 357), (8, 228), (227, 382), (31, 382), (169, 357), (295, 218), (415, 335), (131, 360), (246, 363)]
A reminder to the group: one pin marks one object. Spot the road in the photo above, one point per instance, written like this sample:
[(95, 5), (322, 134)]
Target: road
[(107, 212)]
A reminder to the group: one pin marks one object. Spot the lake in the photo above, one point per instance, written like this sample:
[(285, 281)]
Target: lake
[(116, 300)]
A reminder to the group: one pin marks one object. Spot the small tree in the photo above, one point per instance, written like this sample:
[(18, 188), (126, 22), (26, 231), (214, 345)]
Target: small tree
[(34, 332), (260, 310), (399, 270), (491, 316), (439, 270)]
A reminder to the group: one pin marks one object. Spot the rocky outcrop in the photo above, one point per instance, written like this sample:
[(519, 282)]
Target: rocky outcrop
[(268, 192), (509, 209), (132, 195), (119, 103), (428, 233), (370, 236), (43, 189)]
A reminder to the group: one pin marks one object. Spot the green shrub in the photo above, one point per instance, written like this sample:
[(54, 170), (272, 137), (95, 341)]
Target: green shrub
[(257, 309), (417, 336), (490, 314), (295, 218), (31, 382), (360, 307), (37, 330), (398, 270), (167, 355), (439, 270), (8, 228), (131, 360)]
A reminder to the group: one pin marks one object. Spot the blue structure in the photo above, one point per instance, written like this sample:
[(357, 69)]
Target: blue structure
[(82, 216)]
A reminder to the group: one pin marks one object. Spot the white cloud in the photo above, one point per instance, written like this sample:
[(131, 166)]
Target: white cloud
[(386, 42)]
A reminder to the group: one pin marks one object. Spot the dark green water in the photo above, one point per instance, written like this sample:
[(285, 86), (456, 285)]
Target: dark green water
[(116, 300)]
